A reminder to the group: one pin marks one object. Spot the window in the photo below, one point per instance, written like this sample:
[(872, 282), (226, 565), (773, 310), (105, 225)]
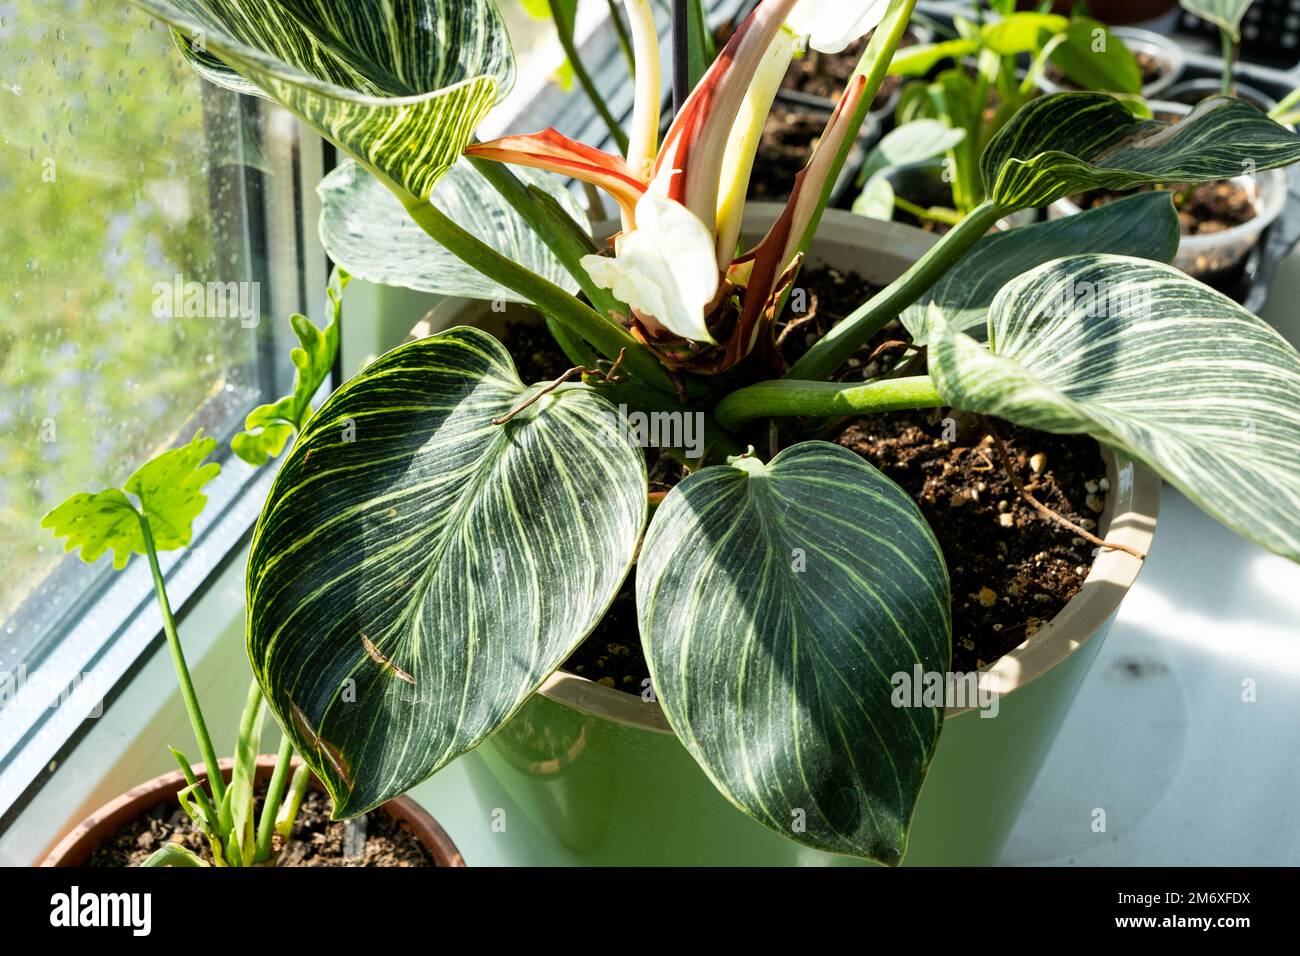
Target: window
[(157, 236)]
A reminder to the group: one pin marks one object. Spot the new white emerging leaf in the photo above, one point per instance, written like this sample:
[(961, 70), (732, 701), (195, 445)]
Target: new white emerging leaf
[(831, 25), (665, 268)]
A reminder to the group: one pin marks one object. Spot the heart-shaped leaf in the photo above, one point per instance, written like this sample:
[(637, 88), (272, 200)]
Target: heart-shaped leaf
[(364, 228), (1068, 142), (418, 570), (399, 84), (778, 603), (1151, 363), (1144, 226)]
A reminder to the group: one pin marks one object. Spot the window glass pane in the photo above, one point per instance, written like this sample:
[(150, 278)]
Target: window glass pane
[(133, 275)]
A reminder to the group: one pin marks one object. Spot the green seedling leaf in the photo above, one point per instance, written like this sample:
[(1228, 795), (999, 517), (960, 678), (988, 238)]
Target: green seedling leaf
[(268, 427), (168, 492)]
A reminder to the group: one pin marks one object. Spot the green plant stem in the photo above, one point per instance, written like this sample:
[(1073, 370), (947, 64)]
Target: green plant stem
[(566, 239), (1226, 44), (271, 805), (873, 64), (934, 213), (718, 442), (787, 397), (579, 318), (834, 348), (191, 699), (173, 854), (289, 811), (565, 33)]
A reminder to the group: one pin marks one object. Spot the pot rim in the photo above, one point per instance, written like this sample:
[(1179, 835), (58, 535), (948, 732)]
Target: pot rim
[(83, 839), (1129, 517)]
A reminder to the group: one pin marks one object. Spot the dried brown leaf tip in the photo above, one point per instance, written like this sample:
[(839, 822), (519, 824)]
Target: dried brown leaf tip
[(323, 746), (379, 658)]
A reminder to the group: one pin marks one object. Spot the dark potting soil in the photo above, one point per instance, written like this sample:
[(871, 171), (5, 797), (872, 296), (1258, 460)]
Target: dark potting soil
[(373, 839), (1011, 569), (825, 74), (789, 136), (537, 357)]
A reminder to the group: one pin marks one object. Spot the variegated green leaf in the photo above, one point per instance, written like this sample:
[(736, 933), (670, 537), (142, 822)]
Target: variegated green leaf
[(1225, 14), (1144, 226), (777, 604), (364, 227), (1068, 142), (1152, 363), (418, 570), (399, 84)]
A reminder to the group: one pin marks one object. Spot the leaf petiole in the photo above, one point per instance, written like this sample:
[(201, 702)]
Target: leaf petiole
[(182, 669)]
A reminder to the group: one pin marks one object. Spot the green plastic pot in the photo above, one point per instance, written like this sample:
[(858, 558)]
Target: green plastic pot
[(602, 774)]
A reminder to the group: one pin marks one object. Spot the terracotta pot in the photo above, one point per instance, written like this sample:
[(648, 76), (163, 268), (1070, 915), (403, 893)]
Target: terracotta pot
[(75, 848)]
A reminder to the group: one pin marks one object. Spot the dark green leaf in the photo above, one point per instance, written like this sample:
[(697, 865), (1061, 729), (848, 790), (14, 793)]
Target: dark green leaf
[(777, 604), (365, 229), (1144, 226), (399, 84), (418, 570)]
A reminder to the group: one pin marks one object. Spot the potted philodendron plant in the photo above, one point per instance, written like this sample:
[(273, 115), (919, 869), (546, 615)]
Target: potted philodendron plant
[(442, 536), (209, 810)]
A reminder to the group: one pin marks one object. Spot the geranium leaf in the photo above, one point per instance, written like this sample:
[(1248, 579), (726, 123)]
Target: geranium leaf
[(167, 490)]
